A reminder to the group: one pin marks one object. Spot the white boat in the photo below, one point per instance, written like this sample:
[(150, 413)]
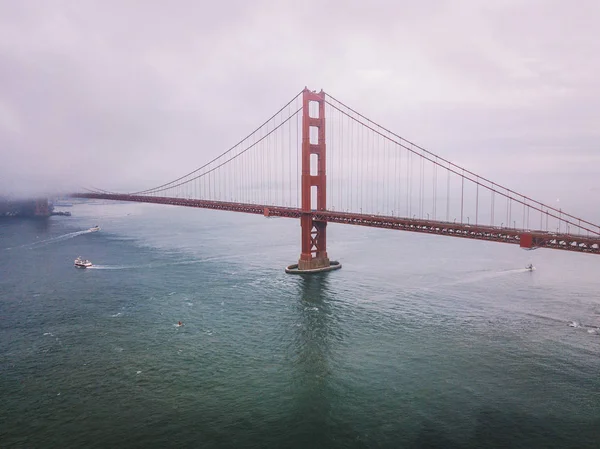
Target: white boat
[(82, 263), (530, 267), (94, 229)]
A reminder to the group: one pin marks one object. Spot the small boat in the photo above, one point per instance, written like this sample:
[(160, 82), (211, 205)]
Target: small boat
[(94, 229), (81, 263), (530, 267)]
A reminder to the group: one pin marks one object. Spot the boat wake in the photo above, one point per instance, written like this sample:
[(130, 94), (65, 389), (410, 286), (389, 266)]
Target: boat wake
[(589, 328), (161, 264), (60, 238), (113, 267), (488, 274)]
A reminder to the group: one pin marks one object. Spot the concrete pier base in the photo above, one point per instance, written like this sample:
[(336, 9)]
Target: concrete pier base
[(293, 269)]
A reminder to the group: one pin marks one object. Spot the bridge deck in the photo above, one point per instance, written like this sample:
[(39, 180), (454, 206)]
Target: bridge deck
[(526, 238)]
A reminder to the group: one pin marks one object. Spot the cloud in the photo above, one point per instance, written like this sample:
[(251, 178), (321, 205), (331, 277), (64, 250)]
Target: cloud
[(128, 94)]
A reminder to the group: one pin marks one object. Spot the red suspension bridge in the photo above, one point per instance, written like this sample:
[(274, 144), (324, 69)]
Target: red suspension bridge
[(320, 161)]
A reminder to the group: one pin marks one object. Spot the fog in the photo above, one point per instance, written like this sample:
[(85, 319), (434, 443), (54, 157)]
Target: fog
[(126, 95)]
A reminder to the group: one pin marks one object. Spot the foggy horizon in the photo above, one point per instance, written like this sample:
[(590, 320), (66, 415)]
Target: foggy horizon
[(125, 98)]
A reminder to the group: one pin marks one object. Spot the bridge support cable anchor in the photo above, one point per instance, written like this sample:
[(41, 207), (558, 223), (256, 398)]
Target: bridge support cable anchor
[(313, 257)]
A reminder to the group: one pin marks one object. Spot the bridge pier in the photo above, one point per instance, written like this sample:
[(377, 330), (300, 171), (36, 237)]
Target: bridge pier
[(313, 258)]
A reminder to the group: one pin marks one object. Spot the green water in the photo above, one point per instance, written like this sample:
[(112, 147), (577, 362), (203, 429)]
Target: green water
[(419, 341)]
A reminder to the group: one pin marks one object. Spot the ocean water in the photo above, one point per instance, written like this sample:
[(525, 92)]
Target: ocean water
[(419, 341)]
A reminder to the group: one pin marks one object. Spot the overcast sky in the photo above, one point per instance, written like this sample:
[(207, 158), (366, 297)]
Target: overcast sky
[(120, 94)]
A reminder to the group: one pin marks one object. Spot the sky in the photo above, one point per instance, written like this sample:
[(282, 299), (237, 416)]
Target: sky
[(128, 94)]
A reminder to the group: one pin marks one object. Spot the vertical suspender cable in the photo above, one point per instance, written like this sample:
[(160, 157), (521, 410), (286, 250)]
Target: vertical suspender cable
[(462, 197)]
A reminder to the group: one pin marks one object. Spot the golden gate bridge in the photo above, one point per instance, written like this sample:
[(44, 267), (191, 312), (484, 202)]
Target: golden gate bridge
[(320, 161)]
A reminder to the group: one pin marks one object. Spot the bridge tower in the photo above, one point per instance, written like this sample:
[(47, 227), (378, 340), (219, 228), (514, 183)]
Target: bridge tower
[(313, 258)]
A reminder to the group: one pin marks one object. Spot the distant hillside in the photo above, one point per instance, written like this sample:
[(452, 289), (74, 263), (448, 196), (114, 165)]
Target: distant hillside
[(24, 208)]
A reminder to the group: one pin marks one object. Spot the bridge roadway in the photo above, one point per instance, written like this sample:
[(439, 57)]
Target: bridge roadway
[(528, 239)]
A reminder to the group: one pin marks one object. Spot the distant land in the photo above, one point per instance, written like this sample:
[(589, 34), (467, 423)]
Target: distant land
[(34, 207)]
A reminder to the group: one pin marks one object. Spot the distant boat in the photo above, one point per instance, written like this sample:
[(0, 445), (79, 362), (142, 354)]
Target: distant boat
[(530, 267), (94, 229), (82, 263)]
